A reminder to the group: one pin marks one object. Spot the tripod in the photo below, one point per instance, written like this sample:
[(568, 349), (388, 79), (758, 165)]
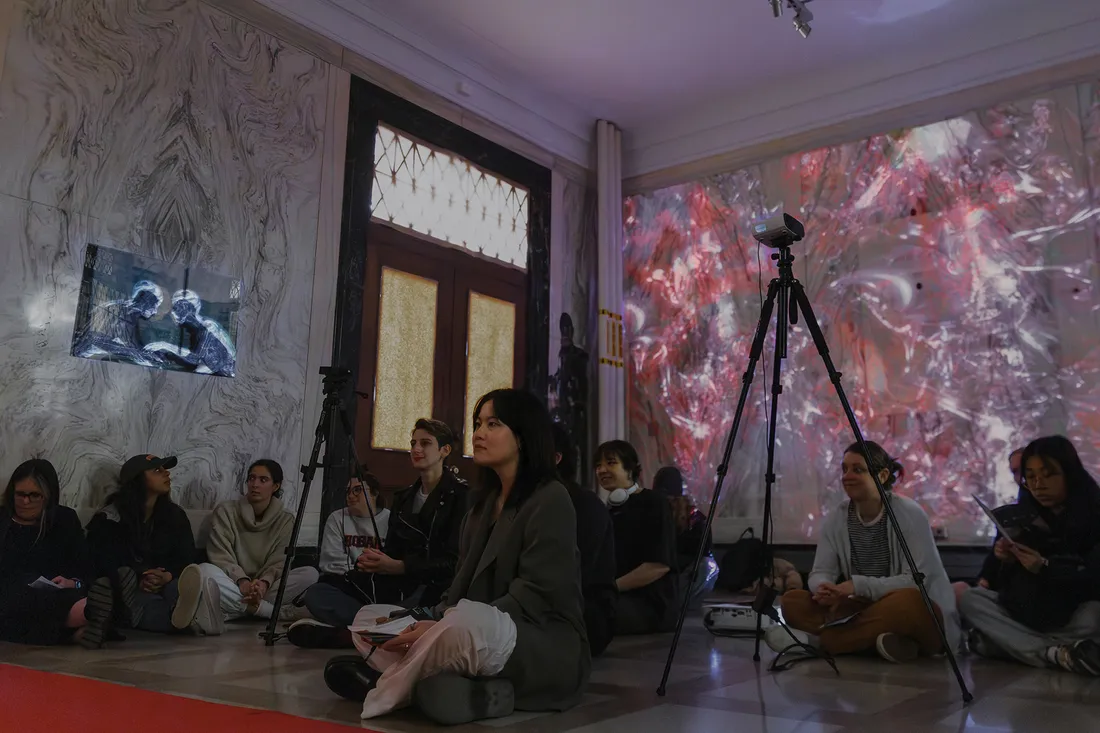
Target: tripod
[(335, 380), (787, 296)]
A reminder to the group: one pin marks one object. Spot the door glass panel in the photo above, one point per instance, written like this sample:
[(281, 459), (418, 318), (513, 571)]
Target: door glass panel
[(404, 381), (490, 353)]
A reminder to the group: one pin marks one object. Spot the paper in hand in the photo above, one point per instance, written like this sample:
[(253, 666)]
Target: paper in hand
[(393, 627), (44, 583), (993, 518)]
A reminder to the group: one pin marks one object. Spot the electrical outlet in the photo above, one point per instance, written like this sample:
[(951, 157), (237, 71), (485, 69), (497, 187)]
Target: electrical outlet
[(939, 532)]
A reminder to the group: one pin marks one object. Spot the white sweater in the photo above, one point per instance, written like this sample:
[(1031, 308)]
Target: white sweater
[(345, 538), (833, 560)]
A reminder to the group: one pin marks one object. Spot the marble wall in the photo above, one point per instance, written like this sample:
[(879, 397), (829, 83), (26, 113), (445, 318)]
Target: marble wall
[(573, 293), (167, 128)]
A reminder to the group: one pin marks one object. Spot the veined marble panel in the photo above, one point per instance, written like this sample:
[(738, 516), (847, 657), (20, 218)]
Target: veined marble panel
[(166, 128), (573, 290)]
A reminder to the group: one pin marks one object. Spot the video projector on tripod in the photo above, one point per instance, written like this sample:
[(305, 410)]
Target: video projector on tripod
[(787, 298)]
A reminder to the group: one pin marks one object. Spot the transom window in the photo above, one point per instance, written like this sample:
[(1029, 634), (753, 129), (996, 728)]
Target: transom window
[(446, 197)]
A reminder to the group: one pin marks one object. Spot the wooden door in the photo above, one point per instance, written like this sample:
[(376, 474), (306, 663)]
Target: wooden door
[(438, 324)]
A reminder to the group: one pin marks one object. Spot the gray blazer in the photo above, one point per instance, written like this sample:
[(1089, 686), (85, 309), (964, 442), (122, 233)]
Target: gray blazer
[(528, 566)]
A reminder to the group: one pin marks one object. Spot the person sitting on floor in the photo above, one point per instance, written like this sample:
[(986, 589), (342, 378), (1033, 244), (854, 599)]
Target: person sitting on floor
[(1045, 612), (246, 557), (421, 549), (645, 544), (691, 534), (344, 587), (860, 573), (39, 538), (139, 544), (987, 576), (596, 543), (512, 634)]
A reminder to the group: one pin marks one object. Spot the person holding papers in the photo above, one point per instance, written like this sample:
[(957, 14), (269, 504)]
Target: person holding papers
[(510, 631), (1046, 609), (862, 596), (44, 566)]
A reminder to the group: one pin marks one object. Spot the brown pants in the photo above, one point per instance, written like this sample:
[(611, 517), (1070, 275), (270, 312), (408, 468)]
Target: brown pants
[(899, 612)]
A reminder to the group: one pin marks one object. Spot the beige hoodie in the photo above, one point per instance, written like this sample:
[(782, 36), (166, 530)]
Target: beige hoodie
[(246, 548)]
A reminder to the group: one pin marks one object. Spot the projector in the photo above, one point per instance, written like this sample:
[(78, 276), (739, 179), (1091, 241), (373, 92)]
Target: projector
[(732, 617), (781, 230)]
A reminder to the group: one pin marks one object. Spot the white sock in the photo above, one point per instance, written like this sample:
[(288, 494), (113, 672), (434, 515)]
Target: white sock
[(265, 609)]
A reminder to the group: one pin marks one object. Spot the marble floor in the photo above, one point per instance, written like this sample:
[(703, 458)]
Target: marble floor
[(714, 686)]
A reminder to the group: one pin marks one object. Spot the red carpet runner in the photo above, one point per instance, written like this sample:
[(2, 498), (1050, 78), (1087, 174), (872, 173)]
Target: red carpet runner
[(41, 702)]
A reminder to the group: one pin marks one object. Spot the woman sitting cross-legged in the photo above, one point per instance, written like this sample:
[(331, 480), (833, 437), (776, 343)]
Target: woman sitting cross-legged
[(859, 569), (344, 587), (139, 544), (512, 633), (247, 558), (1045, 611), (40, 539)]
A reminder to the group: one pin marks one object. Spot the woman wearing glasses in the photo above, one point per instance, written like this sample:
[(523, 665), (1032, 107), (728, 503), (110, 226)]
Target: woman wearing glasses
[(40, 539), (345, 587)]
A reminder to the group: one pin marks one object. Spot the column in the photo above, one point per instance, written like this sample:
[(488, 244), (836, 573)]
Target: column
[(612, 335)]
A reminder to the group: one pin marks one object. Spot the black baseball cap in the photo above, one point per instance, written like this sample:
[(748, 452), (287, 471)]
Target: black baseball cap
[(138, 465)]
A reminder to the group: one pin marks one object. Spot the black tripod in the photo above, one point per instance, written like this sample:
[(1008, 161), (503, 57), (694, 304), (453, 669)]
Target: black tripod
[(791, 297), (334, 382)]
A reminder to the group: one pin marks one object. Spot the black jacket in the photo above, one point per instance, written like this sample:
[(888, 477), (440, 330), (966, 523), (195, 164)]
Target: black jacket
[(427, 541), (1047, 600), (62, 550), (166, 541), (596, 544)]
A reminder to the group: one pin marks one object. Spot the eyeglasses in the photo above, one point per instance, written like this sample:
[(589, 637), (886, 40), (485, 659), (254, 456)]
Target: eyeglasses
[(355, 491), (31, 497)]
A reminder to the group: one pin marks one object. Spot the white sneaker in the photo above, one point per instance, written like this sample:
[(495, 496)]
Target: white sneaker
[(199, 606), (778, 638), (209, 617)]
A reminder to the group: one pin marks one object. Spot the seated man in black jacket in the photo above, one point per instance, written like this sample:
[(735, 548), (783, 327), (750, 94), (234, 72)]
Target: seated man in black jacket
[(596, 543), (417, 562), (645, 543), (139, 544)]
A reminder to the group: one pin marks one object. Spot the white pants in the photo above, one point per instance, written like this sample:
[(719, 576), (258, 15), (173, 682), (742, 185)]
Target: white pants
[(473, 639), (233, 605)]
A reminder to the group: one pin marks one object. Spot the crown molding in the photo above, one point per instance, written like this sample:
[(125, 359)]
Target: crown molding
[(710, 140), (555, 126)]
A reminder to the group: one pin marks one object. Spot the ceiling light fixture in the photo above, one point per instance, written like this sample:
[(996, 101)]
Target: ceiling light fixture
[(802, 14)]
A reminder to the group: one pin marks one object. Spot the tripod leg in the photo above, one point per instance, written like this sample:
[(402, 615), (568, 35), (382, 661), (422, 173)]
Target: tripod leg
[(308, 471), (746, 382), (834, 376), (769, 473)]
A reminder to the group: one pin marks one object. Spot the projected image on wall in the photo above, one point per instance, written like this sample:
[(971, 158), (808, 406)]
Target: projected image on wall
[(951, 266), (146, 312)]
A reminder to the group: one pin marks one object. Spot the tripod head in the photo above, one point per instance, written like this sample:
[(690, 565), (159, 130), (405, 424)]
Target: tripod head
[(335, 379)]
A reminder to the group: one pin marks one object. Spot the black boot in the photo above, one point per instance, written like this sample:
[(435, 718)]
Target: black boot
[(350, 677), (452, 699)]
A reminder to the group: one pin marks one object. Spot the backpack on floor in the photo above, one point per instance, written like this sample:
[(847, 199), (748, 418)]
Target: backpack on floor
[(741, 564)]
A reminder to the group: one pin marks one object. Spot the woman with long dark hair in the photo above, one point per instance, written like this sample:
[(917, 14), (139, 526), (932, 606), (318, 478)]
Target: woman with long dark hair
[(40, 539), (511, 633), (140, 542), (1045, 612), (861, 579)]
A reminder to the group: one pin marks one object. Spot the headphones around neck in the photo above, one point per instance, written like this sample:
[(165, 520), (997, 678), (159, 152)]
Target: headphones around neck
[(618, 497)]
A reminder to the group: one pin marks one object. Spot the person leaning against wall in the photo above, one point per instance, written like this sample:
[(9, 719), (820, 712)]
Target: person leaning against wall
[(40, 539), (139, 544), (246, 559)]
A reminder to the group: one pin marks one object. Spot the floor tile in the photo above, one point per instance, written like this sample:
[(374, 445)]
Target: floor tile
[(679, 718)]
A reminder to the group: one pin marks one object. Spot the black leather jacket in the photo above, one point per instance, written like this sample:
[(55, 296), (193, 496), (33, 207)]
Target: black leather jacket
[(427, 541)]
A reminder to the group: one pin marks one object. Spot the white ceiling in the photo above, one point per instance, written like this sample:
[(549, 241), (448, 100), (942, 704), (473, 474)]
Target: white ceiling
[(665, 70)]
